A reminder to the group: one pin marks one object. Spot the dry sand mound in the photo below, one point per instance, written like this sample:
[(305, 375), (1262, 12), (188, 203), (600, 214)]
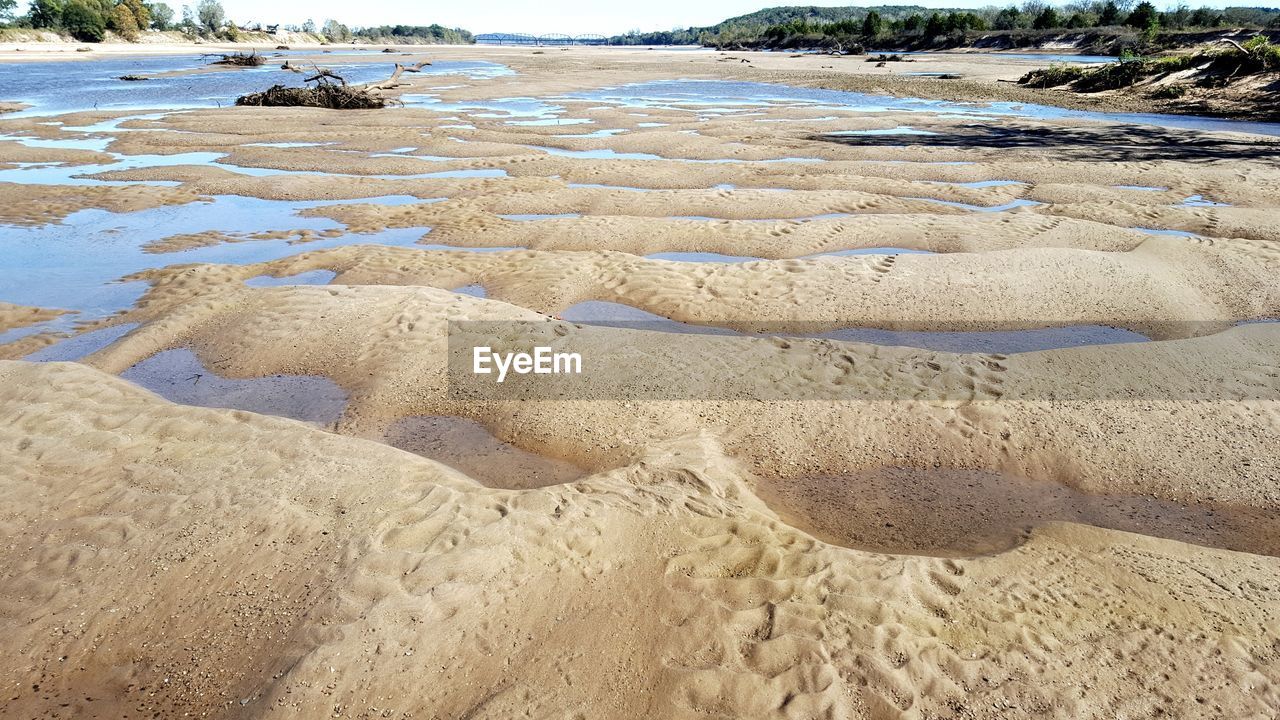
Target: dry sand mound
[(1168, 287), (389, 348), (357, 566)]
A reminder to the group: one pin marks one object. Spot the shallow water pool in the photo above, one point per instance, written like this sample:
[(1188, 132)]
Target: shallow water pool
[(94, 84), (75, 264)]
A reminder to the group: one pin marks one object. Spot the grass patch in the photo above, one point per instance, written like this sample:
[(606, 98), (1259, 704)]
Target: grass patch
[(1168, 92)]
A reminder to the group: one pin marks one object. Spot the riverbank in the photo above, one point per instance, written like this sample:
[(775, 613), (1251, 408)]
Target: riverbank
[(964, 76), (960, 76), (70, 50)]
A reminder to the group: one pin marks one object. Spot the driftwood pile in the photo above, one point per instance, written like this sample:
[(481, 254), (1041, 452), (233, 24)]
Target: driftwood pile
[(252, 59), (325, 95), (327, 89)]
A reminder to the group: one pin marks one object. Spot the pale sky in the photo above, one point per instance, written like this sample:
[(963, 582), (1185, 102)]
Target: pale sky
[(547, 16)]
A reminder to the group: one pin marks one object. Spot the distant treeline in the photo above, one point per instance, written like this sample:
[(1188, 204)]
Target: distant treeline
[(915, 26), (89, 21), (425, 34)]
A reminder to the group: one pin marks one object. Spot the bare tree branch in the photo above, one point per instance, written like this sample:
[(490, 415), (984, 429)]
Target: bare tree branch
[(394, 80)]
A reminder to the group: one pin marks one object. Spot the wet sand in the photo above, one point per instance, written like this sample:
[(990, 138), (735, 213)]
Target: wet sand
[(16, 316), (264, 486)]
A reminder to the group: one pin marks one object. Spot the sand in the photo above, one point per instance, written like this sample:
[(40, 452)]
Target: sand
[(193, 560), (14, 155), (729, 518), (17, 316), (34, 205), (1216, 285)]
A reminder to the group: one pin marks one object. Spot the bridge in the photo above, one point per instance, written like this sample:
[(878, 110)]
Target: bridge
[(548, 39)]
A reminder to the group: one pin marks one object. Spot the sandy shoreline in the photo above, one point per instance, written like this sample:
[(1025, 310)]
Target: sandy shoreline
[(979, 76), (47, 51), (736, 512)]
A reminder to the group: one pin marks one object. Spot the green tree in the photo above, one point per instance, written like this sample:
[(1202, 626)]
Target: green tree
[(188, 22), (872, 25), (6, 10), (1031, 10), (141, 15), (309, 26), (1179, 17), (1007, 19), (1109, 16), (84, 23), (161, 16), (935, 25), (123, 22), (1143, 16), (1047, 19), (1081, 20), (210, 15), (45, 14), (913, 24), (335, 31)]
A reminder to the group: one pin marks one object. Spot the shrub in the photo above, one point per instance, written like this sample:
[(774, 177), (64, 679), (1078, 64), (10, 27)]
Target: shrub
[(1169, 92), (1174, 63), (1260, 50)]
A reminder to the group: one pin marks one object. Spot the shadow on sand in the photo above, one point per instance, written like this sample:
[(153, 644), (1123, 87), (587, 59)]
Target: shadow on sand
[(1104, 143)]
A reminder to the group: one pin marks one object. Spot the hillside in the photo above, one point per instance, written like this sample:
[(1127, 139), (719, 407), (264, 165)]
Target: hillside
[(1097, 26), (811, 13)]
